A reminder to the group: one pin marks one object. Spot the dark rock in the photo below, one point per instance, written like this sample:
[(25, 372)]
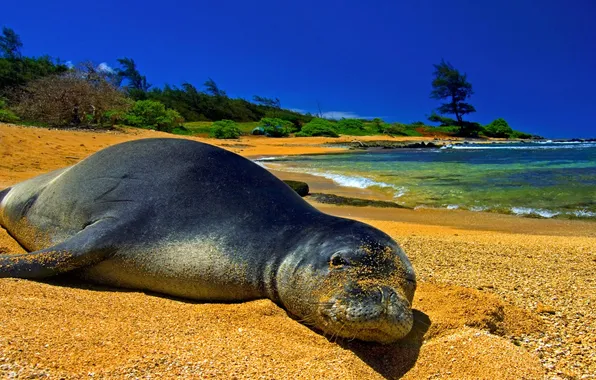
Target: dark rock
[(346, 201), (300, 187)]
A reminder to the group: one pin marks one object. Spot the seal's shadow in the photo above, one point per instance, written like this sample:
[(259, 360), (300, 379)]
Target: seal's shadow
[(394, 360)]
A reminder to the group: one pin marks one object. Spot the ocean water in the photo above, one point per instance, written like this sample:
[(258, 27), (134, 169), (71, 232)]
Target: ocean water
[(533, 179)]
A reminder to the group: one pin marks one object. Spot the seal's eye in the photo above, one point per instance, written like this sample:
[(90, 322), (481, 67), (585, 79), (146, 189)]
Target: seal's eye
[(337, 261)]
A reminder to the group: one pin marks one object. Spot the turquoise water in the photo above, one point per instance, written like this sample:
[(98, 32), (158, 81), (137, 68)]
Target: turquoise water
[(544, 179)]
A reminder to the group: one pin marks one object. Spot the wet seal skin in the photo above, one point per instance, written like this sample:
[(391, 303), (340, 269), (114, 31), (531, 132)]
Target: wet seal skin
[(192, 220)]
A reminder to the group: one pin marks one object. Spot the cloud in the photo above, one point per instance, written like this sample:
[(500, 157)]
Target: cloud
[(69, 64), (336, 115), (298, 110), (104, 67)]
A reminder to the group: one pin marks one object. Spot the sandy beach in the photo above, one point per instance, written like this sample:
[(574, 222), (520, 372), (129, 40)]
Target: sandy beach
[(499, 297)]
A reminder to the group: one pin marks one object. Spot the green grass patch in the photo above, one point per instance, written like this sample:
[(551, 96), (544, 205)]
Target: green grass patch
[(204, 127)]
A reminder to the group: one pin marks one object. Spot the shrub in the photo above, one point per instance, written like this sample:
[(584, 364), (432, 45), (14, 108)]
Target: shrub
[(6, 115), (520, 135), (318, 127), (72, 99), (225, 129), (274, 127), (395, 129), (498, 128), (379, 124), (347, 124), (469, 129), (153, 115)]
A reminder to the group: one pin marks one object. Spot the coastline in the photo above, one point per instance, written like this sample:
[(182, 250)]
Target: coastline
[(476, 270)]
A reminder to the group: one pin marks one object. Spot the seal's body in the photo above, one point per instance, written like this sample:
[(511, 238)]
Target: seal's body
[(192, 220)]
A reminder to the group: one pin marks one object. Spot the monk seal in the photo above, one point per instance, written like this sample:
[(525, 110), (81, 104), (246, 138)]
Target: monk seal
[(191, 220)]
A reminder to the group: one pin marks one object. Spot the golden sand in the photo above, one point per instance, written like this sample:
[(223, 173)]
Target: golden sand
[(499, 297)]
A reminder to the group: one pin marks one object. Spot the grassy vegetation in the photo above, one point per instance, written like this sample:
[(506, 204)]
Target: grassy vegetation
[(203, 128), (361, 128)]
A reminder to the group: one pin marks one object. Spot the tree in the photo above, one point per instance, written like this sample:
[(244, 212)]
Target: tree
[(213, 89), (70, 100), (450, 84), (498, 128), (267, 102), (15, 73), (10, 44), (153, 115), (137, 84)]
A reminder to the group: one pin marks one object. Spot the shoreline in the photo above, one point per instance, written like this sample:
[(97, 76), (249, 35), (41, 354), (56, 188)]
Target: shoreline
[(478, 273), (323, 184)]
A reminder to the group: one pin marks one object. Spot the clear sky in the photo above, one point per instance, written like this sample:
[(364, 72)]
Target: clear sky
[(530, 62)]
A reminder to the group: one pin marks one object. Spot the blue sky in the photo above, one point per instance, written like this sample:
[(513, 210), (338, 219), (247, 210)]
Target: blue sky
[(530, 62)]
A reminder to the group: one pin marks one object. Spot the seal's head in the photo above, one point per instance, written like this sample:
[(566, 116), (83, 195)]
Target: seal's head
[(350, 280)]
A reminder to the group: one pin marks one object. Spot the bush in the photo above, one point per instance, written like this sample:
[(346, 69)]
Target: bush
[(318, 127), (153, 115), (225, 129), (498, 128), (395, 129), (520, 135), (350, 124), (72, 99), (6, 115), (274, 127), (379, 124), (469, 129)]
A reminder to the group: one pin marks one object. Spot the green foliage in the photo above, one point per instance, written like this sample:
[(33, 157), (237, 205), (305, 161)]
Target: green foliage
[(395, 129), (10, 44), (399, 129), (520, 135), (274, 127), (267, 102), (445, 121), (225, 129), (137, 84), (318, 127), (450, 84), (181, 130), (350, 124), (195, 105), (469, 129), (6, 115), (153, 115), (18, 72), (498, 128), (379, 124), (418, 124)]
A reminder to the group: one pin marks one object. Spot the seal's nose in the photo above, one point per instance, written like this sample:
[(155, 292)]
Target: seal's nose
[(387, 297)]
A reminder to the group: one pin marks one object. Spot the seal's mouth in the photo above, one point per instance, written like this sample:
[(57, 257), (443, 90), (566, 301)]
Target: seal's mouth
[(384, 318)]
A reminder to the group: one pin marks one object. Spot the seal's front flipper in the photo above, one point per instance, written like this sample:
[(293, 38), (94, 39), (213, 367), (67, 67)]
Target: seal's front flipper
[(83, 249)]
